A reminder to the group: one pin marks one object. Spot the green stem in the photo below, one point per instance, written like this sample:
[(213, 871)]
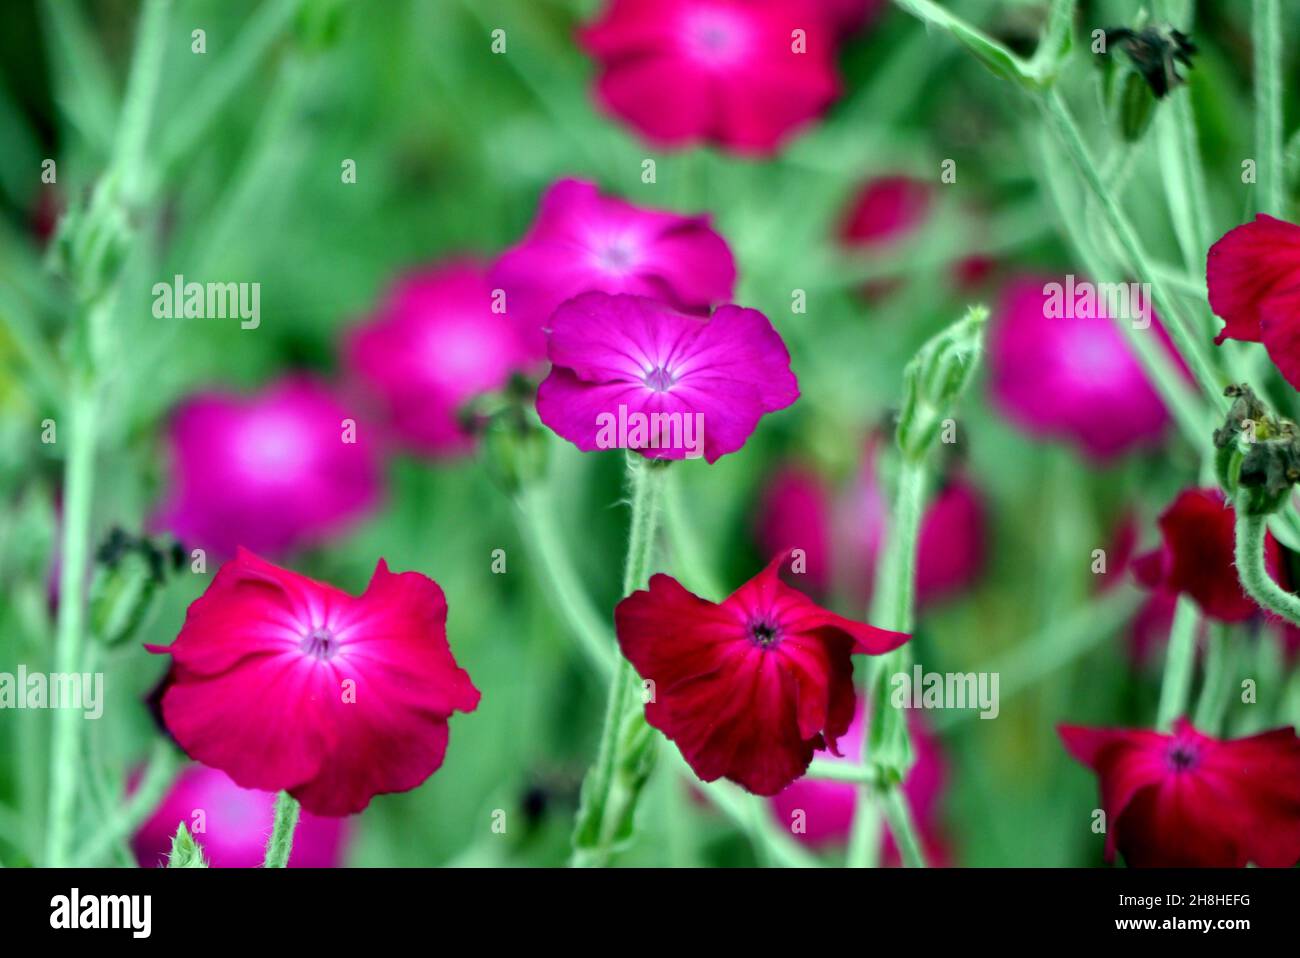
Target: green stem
[(1184, 337), (1216, 687), (537, 520), (141, 94), (159, 774), (1156, 361), (827, 771), (65, 749), (1176, 685), (888, 742), (899, 818), (1266, 30), (1259, 585), (280, 845), (612, 785)]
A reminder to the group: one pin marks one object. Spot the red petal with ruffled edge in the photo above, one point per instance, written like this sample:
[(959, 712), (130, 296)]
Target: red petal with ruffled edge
[(287, 683), (751, 687)]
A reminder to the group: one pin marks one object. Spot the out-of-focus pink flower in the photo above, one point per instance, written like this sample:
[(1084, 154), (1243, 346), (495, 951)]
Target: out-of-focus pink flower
[(232, 824), (1253, 275), (1072, 376), (436, 342), (745, 74), (828, 806), (1196, 556), (887, 209), (582, 242), (750, 687), (849, 16), (286, 683), (620, 362), (841, 537), (1189, 800), (273, 471)]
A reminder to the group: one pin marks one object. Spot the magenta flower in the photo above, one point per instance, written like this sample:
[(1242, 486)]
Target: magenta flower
[(234, 823), (435, 343), (748, 688), (582, 242), (286, 683), (745, 74), (841, 535), (630, 372), (1072, 376), (1189, 800), (285, 468), (827, 807)]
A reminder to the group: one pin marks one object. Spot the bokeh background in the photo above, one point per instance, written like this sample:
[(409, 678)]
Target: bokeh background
[(453, 146)]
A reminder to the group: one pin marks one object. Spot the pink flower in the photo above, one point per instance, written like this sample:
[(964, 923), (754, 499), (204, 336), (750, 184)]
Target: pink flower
[(435, 343), (235, 823), (731, 72), (691, 385), (274, 471), (888, 209), (1253, 274), (287, 683), (841, 537), (582, 242), (828, 806), (1072, 376), (751, 687), (1185, 799), (1196, 556)]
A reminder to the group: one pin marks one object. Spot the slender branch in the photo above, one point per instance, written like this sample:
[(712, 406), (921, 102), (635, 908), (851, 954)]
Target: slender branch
[(1184, 336), (537, 520), (1216, 687), (1266, 31), (1176, 685)]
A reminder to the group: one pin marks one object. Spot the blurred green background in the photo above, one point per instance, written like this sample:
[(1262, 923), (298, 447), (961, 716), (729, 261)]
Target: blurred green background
[(453, 145)]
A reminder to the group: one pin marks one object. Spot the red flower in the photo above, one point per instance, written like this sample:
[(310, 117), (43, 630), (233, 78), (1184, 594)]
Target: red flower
[(287, 683), (1197, 556), (750, 687), (1253, 274), (1186, 799)]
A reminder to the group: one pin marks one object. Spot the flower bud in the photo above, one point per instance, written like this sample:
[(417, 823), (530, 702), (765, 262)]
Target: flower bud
[(125, 586), (935, 378), (1256, 452)]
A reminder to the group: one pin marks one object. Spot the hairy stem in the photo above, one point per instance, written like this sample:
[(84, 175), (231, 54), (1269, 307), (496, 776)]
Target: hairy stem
[(280, 845), (1266, 31), (613, 784), (1259, 585)]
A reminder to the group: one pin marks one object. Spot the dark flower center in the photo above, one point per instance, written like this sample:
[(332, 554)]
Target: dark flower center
[(764, 634), (1183, 756), (320, 644)]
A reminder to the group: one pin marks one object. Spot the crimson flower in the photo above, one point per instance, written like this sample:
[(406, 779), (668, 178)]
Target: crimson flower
[(630, 372), (751, 687), (286, 683), (584, 242), (1186, 799), (1196, 556), (1253, 275), (741, 73)]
